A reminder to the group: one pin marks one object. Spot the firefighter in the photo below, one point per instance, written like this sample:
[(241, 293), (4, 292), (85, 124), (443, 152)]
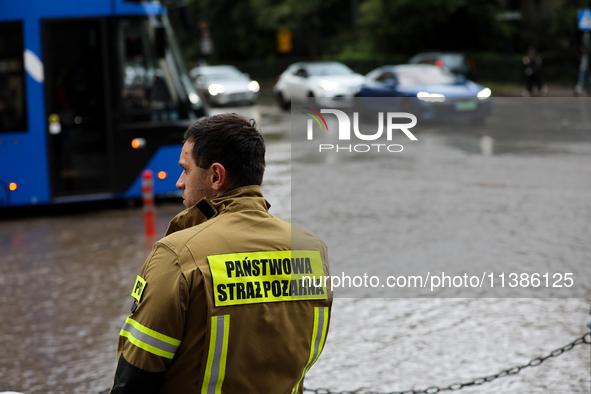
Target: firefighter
[(225, 302)]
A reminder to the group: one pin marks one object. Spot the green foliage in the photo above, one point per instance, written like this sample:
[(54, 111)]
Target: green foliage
[(272, 14), (368, 32), (408, 26), (316, 26)]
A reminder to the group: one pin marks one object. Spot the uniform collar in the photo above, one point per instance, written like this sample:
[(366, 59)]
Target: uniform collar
[(239, 199)]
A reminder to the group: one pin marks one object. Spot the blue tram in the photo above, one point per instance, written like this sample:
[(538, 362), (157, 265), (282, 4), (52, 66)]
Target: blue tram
[(91, 94)]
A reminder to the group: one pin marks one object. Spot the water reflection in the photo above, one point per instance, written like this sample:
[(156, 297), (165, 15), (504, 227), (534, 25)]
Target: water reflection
[(65, 281), (487, 145), (59, 285)]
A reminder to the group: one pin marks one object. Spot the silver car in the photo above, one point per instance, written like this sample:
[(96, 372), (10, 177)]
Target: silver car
[(332, 83), (225, 85)]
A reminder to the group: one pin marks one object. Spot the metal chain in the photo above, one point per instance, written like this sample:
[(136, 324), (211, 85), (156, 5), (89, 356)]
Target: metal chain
[(476, 382), (457, 386)]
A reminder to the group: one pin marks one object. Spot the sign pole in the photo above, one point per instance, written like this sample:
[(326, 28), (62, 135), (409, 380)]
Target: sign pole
[(584, 24)]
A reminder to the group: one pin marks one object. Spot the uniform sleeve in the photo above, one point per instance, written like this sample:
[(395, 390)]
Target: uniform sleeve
[(154, 330)]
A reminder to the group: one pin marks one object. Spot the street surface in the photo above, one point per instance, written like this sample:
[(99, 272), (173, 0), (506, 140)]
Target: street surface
[(66, 280)]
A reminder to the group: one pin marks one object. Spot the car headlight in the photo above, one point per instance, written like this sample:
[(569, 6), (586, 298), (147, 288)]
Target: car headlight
[(215, 89), (328, 85), (431, 97), (484, 94), (253, 86)]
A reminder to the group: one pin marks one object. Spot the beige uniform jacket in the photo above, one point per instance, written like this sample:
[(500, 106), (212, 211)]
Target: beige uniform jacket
[(222, 305)]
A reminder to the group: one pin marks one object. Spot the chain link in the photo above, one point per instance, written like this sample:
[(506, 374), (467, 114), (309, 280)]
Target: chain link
[(586, 339)]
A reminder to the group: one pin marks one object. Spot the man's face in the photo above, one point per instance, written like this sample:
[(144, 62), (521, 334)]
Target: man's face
[(193, 179)]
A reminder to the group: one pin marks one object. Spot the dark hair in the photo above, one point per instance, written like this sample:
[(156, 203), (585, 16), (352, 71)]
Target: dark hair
[(234, 142)]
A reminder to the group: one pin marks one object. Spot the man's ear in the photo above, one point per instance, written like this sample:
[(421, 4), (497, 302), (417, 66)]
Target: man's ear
[(218, 178)]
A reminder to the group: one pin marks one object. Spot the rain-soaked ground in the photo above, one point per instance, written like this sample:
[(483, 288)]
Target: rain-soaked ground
[(65, 280)]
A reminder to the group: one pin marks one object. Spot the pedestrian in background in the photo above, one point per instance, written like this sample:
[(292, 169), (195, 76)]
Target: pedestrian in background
[(217, 306), (584, 74), (533, 73)]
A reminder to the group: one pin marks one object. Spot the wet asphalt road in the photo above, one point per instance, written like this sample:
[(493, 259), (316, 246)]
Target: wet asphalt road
[(65, 280)]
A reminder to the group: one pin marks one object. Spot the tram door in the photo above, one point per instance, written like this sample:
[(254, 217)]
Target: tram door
[(77, 121)]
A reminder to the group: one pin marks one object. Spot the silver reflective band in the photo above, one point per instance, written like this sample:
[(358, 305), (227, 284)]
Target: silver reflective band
[(318, 337), (149, 340), (215, 370)]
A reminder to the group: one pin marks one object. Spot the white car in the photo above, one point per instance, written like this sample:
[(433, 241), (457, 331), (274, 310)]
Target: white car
[(332, 83), (224, 85)]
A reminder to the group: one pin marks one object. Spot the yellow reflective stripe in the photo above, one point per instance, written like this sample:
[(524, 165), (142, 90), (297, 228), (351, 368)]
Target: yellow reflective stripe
[(149, 340), (215, 370), (318, 338)]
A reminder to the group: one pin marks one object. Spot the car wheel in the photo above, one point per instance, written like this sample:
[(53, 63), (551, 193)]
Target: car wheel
[(283, 103)]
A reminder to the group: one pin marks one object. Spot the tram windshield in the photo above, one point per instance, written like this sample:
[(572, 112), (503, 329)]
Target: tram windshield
[(153, 88), (182, 70)]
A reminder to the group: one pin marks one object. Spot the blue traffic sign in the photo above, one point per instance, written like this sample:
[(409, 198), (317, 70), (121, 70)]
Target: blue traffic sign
[(584, 20)]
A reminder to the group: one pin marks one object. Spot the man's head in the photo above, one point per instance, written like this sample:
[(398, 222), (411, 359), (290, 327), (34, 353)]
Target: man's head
[(221, 152)]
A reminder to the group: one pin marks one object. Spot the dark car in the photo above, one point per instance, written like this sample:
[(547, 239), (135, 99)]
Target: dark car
[(430, 92), (457, 62)]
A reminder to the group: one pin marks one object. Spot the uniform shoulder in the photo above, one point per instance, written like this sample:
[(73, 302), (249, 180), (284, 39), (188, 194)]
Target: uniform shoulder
[(177, 240), (177, 244), (301, 238)]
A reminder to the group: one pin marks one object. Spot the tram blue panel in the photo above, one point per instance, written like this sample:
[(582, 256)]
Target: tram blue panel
[(22, 161), (23, 154), (55, 9), (123, 7), (166, 159), (36, 9), (35, 188)]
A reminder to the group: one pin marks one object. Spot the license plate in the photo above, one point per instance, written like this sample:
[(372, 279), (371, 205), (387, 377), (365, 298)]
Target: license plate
[(466, 105)]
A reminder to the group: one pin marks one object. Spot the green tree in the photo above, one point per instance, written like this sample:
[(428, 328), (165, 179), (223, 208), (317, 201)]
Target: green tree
[(246, 29), (316, 25), (408, 26), (233, 30)]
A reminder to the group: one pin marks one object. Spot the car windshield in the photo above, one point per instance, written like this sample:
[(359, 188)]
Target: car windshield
[(328, 69), (425, 76), (453, 61), (222, 74)]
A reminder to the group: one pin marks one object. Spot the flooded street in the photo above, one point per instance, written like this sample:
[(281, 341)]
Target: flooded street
[(522, 195)]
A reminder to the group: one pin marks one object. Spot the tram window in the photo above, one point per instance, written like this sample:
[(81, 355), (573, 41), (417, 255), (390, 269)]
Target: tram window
[(147, 90), (13, 115)]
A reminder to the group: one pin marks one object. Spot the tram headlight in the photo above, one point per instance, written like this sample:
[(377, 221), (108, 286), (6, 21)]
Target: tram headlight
[(137, 143), (12, 186)]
